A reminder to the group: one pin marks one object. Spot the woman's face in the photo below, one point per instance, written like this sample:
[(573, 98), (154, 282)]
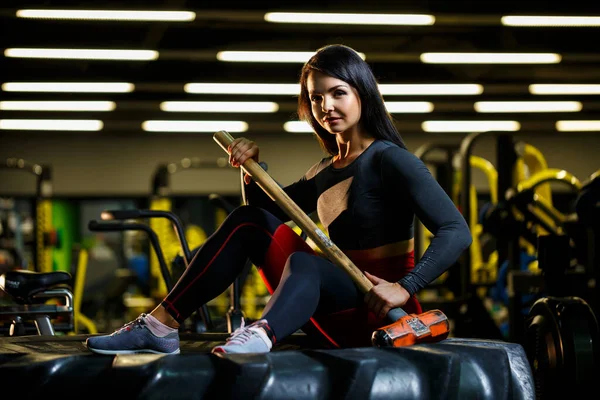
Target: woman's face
[(334, 103)]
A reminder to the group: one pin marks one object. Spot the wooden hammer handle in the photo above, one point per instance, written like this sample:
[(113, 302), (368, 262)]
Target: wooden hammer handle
[(274, 191)]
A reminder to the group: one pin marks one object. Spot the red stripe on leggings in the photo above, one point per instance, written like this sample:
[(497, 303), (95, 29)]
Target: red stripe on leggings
[(184, 290), (316, 324)]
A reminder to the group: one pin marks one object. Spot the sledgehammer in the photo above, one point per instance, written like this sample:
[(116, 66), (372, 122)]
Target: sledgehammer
[(404, 329)]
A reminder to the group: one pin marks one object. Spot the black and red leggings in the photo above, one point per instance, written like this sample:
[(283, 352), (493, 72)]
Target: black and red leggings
[(307, 290)]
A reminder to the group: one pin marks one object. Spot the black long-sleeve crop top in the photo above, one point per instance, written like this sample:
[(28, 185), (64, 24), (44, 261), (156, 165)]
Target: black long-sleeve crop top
[(373, 201)]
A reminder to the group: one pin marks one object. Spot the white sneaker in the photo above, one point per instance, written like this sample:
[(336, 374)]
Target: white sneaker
[(254, 338)]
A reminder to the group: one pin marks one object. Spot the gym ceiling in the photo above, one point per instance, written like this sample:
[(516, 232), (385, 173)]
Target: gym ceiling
[(514, 64)]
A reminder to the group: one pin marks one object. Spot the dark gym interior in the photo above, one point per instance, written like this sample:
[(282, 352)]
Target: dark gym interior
[(110, 177)]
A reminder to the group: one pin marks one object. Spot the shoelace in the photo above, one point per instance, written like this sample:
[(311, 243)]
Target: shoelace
[(241, 335), (138, 322)]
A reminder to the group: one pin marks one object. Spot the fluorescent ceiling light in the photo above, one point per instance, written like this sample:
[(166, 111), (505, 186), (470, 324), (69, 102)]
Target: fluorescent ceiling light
[(533, 20), (243, 88), (87, 54), (268, 56), (297, 127), (346, 18), (51, 124), (490, 58), (564, 88), (430, 89), (80, 87), (220, 106), (58, 105), (577, 126), (470, 126), (408, 106), (527, 106), (294, 88), (194, 126), (120, 15)]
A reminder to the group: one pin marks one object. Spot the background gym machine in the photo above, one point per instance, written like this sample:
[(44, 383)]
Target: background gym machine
[(455, 291), (29, 284), (559, 331), (45, 237)]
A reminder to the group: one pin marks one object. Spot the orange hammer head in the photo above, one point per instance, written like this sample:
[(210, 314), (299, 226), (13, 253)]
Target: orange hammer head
[(431, 326)]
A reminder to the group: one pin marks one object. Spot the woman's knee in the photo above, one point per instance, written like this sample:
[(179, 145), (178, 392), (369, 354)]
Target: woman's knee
[(245, 213), (303, 263)]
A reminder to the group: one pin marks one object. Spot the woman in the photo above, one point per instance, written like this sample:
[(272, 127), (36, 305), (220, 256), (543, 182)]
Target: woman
[(366, 193)]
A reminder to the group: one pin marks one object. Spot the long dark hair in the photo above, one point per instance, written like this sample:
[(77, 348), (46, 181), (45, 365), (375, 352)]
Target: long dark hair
[(344, 63)]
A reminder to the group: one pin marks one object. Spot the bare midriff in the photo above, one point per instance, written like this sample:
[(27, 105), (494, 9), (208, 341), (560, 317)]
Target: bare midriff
[(382, 252)]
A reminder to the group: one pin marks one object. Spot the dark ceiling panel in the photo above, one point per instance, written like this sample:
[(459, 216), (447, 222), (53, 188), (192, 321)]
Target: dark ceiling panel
[(188, 49)]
